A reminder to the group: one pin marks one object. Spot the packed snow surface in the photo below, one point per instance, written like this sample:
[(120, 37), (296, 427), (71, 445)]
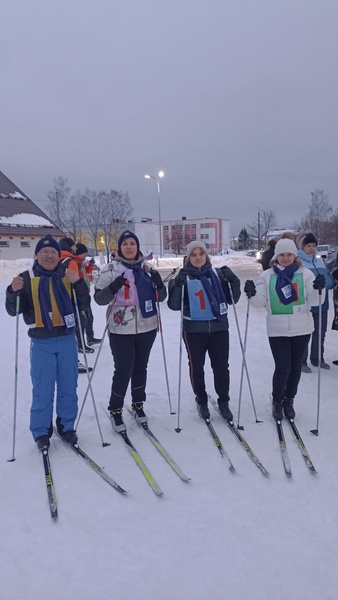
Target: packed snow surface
[(238, 536)]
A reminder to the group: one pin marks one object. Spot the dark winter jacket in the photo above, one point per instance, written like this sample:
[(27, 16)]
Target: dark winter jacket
[(27, 306), (335, 296), (174, 300), (266, 258)]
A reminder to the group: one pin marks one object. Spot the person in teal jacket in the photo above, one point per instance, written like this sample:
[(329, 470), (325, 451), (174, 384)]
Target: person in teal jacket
[(315, 263)]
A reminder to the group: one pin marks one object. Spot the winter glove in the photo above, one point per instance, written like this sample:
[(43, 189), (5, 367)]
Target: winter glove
[(226, 275), (249, 288), (319, 282), (156, 279), (181, 278), (117, 284)]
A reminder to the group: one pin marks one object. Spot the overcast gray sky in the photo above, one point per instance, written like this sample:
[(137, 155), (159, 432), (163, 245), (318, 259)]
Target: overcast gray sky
[(236, 100)]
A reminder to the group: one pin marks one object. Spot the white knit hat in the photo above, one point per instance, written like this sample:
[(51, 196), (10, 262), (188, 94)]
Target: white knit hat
[(285, 245), (193, 245)]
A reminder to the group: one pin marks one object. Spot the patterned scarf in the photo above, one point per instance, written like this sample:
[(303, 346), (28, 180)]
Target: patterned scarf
[(52, 291), (145, 292), (284, 288)]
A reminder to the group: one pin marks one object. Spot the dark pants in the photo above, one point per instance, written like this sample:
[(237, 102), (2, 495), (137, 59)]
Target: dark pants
[(288, 354), (87, 320), (315, 339), (131, 355), (217, 346)]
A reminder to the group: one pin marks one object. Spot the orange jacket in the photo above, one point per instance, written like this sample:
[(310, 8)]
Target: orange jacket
[(71, 264)]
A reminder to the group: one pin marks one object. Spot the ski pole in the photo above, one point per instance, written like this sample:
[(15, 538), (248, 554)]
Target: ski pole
[(91, 375), (159, 321), (180, 365), (17, 315), (88, 375), (243, 352), (316, 431), (242, 369)]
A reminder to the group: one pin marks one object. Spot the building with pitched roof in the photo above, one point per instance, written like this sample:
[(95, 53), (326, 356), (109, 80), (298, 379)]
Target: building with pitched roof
[(22, 223)]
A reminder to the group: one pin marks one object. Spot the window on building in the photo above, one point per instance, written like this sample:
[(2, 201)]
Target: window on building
[(166, 228), (193, 237), (25, 244), (193, 226), (4, 244)]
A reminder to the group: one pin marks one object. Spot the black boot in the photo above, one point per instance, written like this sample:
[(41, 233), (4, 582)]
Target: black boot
[(224, 409), (117, 422), (277, 406), (42, 442), (289, 411), (138, 412), (91, 341), (202, 409)]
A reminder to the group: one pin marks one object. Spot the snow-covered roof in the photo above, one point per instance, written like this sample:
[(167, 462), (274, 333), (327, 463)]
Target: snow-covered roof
[(26, 219)]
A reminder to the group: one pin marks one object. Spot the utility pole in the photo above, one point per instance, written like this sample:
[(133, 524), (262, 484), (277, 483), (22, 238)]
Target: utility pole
[(259, 229)]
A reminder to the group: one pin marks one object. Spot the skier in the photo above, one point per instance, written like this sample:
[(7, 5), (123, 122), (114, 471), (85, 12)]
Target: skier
[(268, 254), (205, 322), (46, 304), (85, 271), (287, 291), (316, 264), (130, 284)]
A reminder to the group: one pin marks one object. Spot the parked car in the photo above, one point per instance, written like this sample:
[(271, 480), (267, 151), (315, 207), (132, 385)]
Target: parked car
[(327, 252), (254, 253)]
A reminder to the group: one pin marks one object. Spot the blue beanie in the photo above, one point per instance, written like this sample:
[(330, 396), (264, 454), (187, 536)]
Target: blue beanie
[(127, 234), (47, 242)]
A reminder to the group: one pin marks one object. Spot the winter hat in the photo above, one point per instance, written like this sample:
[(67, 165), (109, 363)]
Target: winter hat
[(66, 244), (47, 242), (285, 245), (127, 234), (193, 245), (81, 249), (309, 239)]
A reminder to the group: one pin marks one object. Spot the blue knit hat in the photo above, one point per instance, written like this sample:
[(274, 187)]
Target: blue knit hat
[(127, 234), (47, 242)]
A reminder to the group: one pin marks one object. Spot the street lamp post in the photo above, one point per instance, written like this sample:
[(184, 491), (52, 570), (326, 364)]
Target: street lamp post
[(160, 174)]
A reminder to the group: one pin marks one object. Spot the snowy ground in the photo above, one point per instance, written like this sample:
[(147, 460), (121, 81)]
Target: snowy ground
[(222, 535)]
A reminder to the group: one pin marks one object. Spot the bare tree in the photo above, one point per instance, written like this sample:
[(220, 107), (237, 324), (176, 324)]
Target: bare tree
[(261, 225), (116, 210), (75, 216), (58, 200), (318, 218), (178, 238)]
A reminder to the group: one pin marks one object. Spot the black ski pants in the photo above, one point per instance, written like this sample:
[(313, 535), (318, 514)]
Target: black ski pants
[(288, 354), (217, 346), (131, 356)]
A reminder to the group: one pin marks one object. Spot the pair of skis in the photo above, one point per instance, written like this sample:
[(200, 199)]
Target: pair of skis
[(238, 437), (140, 462), (92, 464), (301, 446)]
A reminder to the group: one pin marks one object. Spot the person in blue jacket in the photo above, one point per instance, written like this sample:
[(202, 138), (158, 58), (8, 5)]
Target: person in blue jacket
[(310, 260), (205, 322), (46, 303)]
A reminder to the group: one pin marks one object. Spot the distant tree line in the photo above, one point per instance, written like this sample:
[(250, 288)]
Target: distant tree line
[(97, 214), (320, 220)]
